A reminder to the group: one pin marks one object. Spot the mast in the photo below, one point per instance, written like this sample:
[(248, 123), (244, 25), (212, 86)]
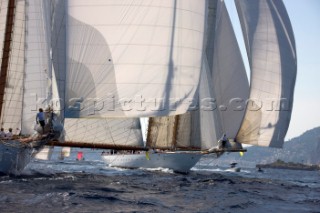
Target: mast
[(6, 51)]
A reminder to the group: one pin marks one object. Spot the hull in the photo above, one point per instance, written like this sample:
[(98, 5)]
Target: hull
[(178, 162), (14, 156), (235, 169)]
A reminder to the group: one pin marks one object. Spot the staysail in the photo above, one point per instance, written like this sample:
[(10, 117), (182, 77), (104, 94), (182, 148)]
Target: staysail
[(210, 119), (230, 82), (271, 51), (124, 63), (37, 77), (104, 132), (58, 54)]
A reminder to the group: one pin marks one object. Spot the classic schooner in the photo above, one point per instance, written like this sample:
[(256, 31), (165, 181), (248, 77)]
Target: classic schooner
[(177, 63)]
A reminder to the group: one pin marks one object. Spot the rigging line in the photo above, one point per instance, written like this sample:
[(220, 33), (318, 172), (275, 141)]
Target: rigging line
[(130, 131), (109, 129), (133, 34)]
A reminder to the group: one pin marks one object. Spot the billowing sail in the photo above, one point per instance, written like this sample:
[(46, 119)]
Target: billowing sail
[(113, 132), (58, 51), (138, 59), (37, 78), (210, 119), (12, 90), (230, 82), (272, 56)]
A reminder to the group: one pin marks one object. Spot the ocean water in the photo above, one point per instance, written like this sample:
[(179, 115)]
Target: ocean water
[(91, 186)]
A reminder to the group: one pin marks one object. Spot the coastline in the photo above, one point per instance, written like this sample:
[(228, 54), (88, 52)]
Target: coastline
[(289, 165)]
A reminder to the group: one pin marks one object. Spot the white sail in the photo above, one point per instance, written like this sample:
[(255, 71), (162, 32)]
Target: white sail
[(272, 56), (65, 152), (117, 132), (134, 59), (45, 153), (58, 51), (13, 93), (3, 20), (37, 78), (231, 86), (210, 119)]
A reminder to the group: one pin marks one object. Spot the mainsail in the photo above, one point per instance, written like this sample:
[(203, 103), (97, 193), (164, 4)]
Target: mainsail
[(12, 62), (122, 62), (272, 56)]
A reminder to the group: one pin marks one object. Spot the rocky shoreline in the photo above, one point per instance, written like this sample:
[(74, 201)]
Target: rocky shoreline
[(284, 165)]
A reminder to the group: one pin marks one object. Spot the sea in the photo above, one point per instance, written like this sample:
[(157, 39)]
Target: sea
[(89, 185)]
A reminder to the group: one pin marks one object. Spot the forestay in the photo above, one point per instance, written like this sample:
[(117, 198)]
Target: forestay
[(272, 56)]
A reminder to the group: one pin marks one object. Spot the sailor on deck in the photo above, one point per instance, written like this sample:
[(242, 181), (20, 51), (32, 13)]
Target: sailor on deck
[(224, 141), (9, 134), (2, 134), (40, 118)]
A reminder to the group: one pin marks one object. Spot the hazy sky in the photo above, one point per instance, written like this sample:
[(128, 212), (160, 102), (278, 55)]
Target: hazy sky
[(305, 20)]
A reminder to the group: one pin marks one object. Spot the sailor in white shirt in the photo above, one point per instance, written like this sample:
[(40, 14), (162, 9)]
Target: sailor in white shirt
[(9, 134)]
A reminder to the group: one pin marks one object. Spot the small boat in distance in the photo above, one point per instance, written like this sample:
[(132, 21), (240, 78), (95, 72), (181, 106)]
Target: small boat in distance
[(233, 168)]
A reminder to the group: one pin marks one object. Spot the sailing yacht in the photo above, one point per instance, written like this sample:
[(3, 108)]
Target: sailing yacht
[(25, 65), (177, 63)]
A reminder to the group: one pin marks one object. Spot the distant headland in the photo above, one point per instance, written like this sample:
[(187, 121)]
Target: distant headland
[(279, 164)]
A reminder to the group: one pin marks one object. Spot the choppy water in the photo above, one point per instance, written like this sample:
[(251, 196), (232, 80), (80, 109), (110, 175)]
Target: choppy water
[(90, 186)]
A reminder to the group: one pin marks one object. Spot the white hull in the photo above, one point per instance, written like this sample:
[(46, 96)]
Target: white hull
[(235, 169), (14, 156), (178, 162)]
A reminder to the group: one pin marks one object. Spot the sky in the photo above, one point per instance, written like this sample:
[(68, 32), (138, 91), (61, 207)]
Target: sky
[(305, 20)]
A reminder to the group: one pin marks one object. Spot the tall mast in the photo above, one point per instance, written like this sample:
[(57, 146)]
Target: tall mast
[(6, 50)]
